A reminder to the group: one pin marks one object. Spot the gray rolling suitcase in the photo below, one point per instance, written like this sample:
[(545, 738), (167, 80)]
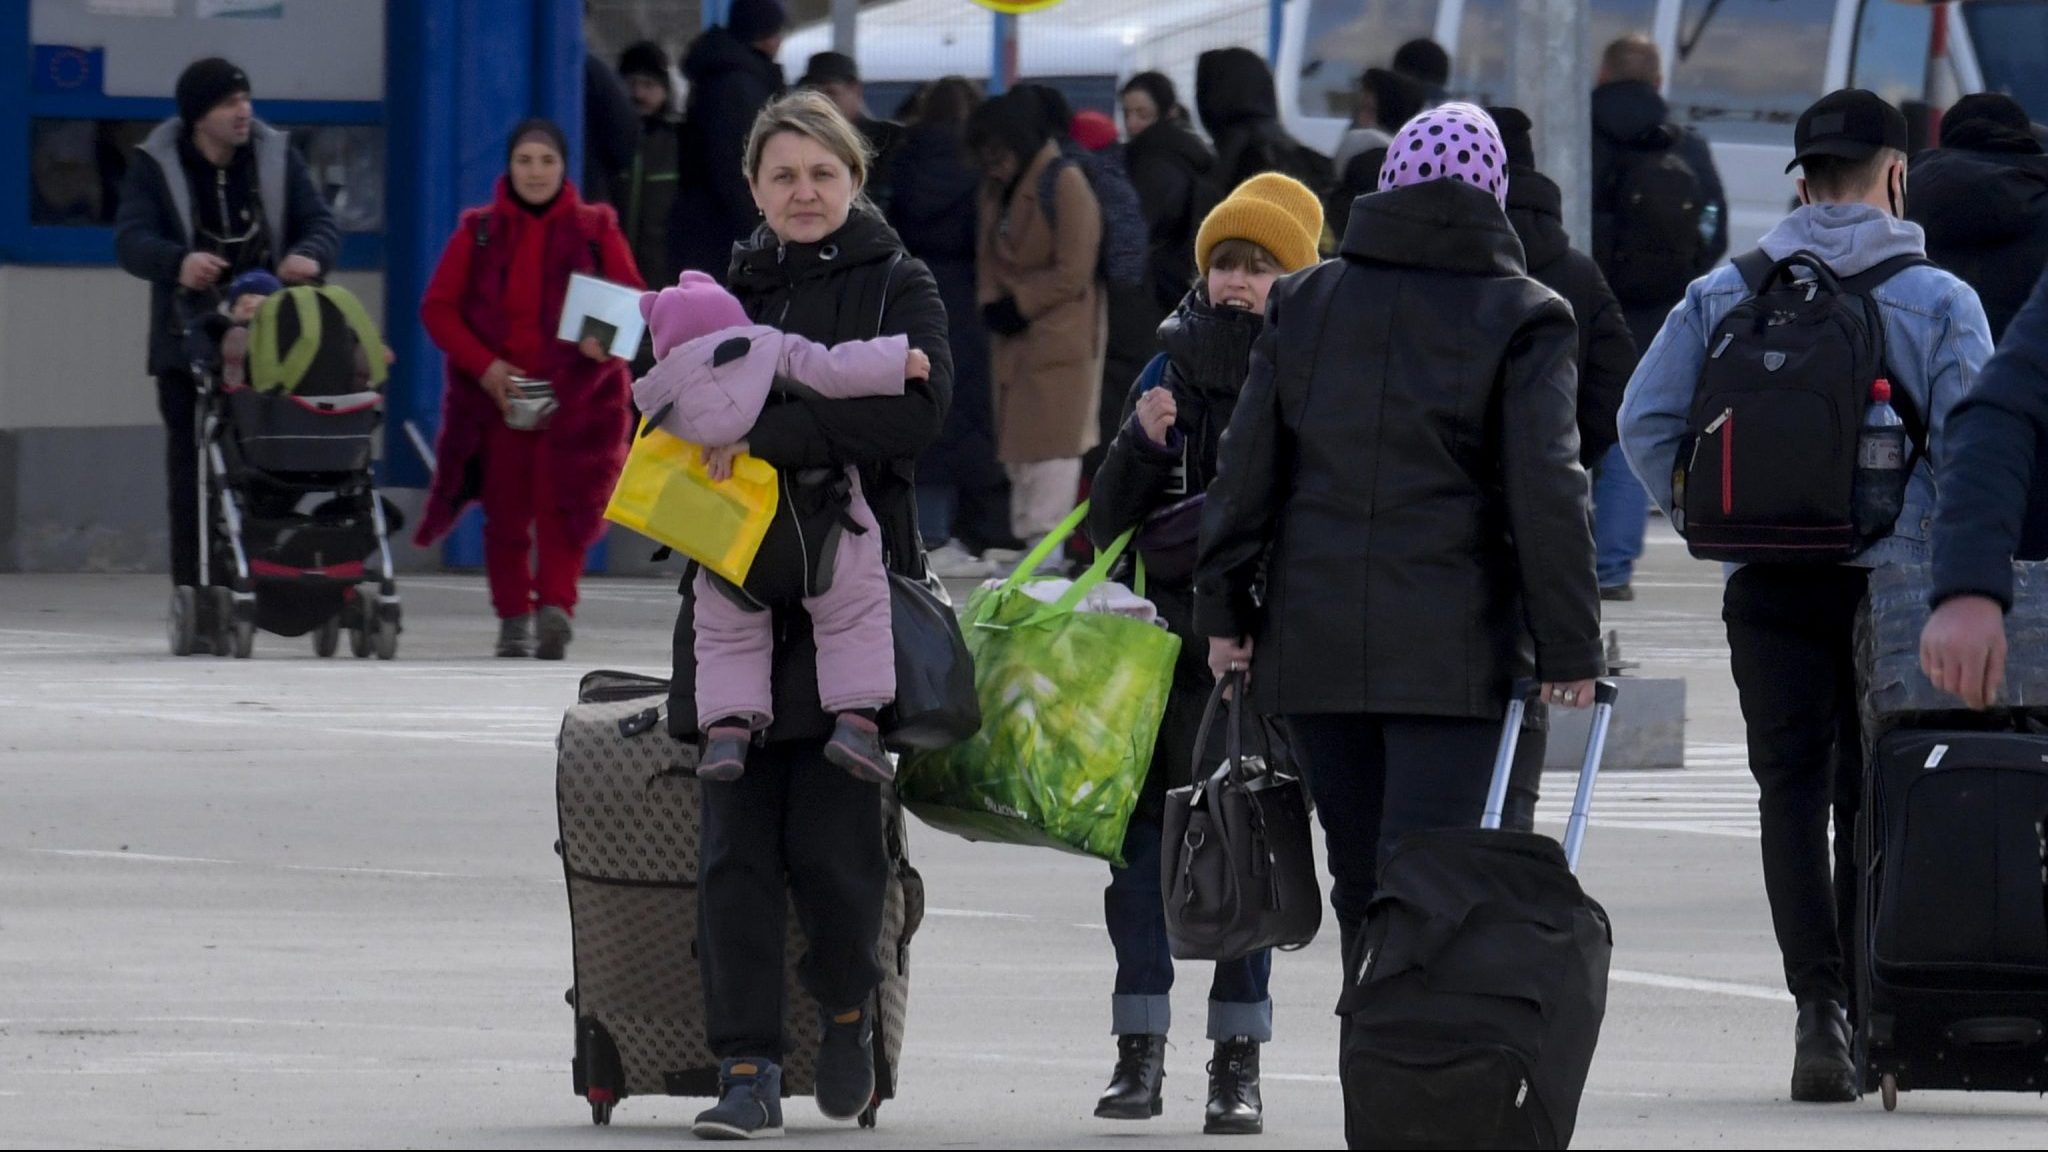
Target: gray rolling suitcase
[(1479, 982), (627, 802)]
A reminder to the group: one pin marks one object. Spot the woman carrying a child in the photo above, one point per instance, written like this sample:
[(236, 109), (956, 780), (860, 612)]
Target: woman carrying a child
[(780, 817), (1162, 459), (493, 308)]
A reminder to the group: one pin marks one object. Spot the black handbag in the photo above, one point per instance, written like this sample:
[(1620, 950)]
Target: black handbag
[(1167, 539), (1239, 867), (936, 706)]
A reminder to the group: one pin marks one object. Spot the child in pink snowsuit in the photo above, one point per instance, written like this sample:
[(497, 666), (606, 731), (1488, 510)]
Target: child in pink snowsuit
[(714, 370)]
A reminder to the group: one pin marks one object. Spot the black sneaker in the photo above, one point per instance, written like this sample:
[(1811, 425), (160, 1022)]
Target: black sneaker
[(846, 1063), (515, 637), (1622, 593), (1822, 1070), (555, 633), (749, 1103)]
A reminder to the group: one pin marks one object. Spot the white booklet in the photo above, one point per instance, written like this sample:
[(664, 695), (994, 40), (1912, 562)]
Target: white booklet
[(608, 311)]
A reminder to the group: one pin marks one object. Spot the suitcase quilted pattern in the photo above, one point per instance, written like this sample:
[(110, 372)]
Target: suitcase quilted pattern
[(629, 827)]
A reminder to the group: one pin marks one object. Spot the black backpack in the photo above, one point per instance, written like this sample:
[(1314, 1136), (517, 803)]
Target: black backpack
[(1126, 237), (1655, 200), (1767, 472)]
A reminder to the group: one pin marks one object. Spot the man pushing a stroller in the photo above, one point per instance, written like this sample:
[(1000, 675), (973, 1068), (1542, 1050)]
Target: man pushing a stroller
[(211, 194)]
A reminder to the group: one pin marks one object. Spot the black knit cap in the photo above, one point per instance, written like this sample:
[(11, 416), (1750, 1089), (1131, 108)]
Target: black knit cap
[(1515, 130), (204, 84), (829, 68), (645, 59), (753, 21)]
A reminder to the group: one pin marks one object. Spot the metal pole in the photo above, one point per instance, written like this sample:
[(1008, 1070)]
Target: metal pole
[(845, 25), (1002, 68), (1553, 82), (712, 13), (1276, 27)]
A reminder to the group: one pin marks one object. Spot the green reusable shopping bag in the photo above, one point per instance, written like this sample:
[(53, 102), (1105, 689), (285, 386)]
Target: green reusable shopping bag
[(1071, 704)]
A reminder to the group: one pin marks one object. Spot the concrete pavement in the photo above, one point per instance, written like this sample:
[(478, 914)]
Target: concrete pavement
[(287, 902)]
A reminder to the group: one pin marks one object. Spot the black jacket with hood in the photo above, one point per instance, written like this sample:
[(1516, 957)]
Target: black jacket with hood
[(1629, 116), (1173, 171), (730, 82), (1235, 98), (1207, 349), (1403, 469), (854, 285), (1983, 200), (1607, 353)]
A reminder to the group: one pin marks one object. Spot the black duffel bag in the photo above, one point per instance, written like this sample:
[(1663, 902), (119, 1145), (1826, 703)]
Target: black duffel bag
[(1238, 867)]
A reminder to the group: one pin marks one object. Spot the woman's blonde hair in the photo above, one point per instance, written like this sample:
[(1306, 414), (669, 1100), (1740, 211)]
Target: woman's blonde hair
[(808, 113)]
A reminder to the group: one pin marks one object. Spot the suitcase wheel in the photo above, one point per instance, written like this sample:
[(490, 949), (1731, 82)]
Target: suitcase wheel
[(601, 1103), (867, 1116), (1888, 1087)]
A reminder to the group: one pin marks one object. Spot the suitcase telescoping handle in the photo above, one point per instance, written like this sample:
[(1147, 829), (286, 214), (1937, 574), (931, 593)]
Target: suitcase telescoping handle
[(1604, 693)]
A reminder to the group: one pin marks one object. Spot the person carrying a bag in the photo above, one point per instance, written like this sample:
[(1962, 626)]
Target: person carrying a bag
[(1152, 479)]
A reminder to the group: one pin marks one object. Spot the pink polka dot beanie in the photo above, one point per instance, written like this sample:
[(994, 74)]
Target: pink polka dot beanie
[(1449, 142)]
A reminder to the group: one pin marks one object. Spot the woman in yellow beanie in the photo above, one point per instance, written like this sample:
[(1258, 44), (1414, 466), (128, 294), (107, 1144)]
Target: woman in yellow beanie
[(1152, 479)]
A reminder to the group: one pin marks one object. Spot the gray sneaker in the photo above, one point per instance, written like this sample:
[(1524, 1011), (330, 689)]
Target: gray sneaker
[(846, 1063), (515, 637), (555, 634), (749, 1103)]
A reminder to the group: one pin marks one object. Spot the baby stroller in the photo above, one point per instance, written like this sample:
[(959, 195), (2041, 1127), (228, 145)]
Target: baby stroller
[(294, 536)]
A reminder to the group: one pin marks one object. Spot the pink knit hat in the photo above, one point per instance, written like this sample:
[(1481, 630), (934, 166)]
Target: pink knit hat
[(696, 306), (1449, 142)]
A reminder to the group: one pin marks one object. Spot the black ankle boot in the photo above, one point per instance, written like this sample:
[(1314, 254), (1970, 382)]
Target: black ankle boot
[(1134, 1088), (1234, 1105), (1823, 1072)]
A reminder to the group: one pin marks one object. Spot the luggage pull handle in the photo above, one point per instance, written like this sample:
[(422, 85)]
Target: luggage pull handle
[(1605, 692)]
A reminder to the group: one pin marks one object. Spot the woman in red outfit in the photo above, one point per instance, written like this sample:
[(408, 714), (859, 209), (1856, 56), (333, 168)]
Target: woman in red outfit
[(493, 308)]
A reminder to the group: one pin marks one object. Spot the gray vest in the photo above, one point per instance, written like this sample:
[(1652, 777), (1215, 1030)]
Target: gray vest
[(271, 147)]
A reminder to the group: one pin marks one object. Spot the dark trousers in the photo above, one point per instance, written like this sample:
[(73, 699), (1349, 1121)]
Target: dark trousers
[(177, 401), (1133, 905), (1378, 777), (1791, 640), (794, 826)]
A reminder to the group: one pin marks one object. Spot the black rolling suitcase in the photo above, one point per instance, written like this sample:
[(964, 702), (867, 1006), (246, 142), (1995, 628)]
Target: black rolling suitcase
[(1953, 847), (1479, 983), (626, 796)]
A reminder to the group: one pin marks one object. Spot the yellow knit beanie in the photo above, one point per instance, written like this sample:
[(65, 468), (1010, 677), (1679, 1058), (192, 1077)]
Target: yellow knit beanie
[(1274, 211)]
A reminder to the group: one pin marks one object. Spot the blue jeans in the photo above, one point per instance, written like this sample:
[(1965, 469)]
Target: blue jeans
[(1136, 911), (936, 504), (1621, 512)]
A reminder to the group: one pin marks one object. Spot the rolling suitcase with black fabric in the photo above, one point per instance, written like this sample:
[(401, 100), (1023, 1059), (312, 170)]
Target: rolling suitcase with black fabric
[(1953, 847), (1479, 982), (626, 796)]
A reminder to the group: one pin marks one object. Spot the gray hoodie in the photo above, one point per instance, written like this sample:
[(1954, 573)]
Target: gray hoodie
[(1936, 340)]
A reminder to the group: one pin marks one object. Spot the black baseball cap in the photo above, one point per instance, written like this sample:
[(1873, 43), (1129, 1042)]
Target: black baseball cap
[(1851, 124), (829, 68)]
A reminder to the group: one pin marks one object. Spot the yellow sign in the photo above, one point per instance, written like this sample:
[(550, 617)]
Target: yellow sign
[(1016, 7)]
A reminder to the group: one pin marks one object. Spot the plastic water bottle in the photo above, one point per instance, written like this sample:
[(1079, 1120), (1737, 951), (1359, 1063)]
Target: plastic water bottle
[(1880, 463), (1710, 222)]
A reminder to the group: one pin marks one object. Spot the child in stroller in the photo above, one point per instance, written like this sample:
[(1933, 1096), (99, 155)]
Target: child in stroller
[(293, 530)]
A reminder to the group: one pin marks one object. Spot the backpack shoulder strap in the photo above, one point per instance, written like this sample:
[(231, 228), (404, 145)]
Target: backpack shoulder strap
[(1755, 265), (1048, 186), (1870, 279)]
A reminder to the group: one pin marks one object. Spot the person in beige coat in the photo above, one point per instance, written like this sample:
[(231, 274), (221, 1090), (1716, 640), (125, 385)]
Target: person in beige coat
[(1040, 229)]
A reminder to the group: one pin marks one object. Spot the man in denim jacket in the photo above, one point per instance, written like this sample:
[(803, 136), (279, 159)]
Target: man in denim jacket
[(1791, 627)]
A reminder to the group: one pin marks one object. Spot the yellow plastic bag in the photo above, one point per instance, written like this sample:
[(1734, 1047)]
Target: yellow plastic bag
[(665, 494)]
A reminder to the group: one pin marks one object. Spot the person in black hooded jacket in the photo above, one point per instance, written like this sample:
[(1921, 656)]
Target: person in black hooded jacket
[(1162, 456), (1239, 109), (1982, 198), (963, 494), (1607, 353), (823, 266), (733, 75), (1399, 510), (1174, 172)]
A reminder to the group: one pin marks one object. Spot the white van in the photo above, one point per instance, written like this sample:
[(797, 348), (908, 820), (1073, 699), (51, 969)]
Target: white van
[(1737, 71)]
